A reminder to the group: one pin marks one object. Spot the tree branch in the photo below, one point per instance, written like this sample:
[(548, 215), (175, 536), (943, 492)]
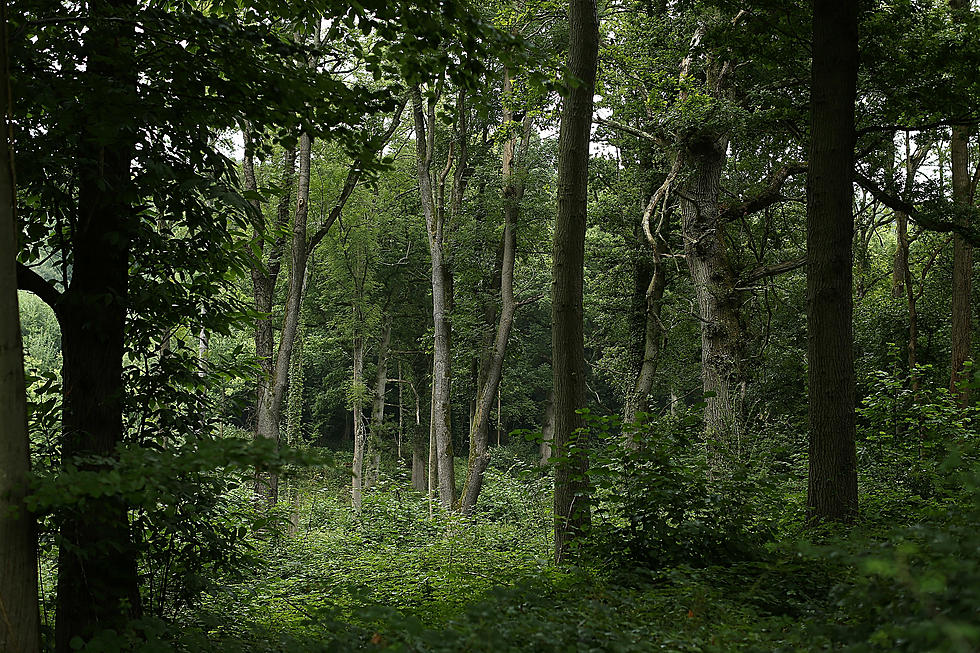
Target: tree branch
[(923, 216), (772, 270), (769, 195), (31, 281)]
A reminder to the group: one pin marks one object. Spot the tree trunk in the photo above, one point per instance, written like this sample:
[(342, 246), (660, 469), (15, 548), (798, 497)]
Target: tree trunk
[(638, 401), (418, 445), (488, 390), (264, 278), (441, 356), (547, 430), (714, 280), (270, 404), (962, 267), (832, 485), (20, 628), (98, 584), (360, 432), (378, 408), (572, 502)]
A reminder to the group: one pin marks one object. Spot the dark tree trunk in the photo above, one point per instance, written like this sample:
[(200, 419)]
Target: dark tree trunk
[(20, 628), (962, 268), (572, 501), (832, 486), (97, 577)]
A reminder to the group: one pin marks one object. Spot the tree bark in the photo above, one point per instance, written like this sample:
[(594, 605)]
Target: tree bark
[(360, 432), (441, 356), (832, 484), (264, 278), (487, 392), (20, 626), (270, 404), (378, 408), (962, 268), (547, 430), (98, 584), (572, 501), (638, 401)]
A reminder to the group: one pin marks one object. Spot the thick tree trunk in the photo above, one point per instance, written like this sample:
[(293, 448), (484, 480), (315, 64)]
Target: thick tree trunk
[(714, 280), (832, 485), (270, 404), (19, 628), (441, 299), (488, 390), (378, 409), (360, 430), (98, 584), (572, 501)]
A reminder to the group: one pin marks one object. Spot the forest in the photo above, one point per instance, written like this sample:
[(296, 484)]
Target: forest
[(489, 325)]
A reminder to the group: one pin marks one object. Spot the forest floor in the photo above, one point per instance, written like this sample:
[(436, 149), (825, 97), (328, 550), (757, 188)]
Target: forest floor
[(394, 578)]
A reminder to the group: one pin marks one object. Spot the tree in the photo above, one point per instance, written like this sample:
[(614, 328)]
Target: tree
[(19, 629), (832, 482), (960, 325), (572, 504)]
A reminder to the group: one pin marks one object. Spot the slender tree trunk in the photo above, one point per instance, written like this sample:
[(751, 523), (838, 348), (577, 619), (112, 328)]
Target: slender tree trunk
[(547, 430), (270, 404), (360, 432), (264, 278), (19, 627), (378, 408), (832, 485), (401, 408), (962, 268), (419, 481), (441, 298), (572, 501), (638, 401), (488, 390)]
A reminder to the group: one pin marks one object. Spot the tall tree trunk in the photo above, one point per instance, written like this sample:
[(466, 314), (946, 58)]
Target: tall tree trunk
[(98, 584), (962, 267), (20, 627), (832, 485), (270, 404), (488, 390), (264, 278), (378, 408), (572, 501), (441, 298), (360, 432)]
